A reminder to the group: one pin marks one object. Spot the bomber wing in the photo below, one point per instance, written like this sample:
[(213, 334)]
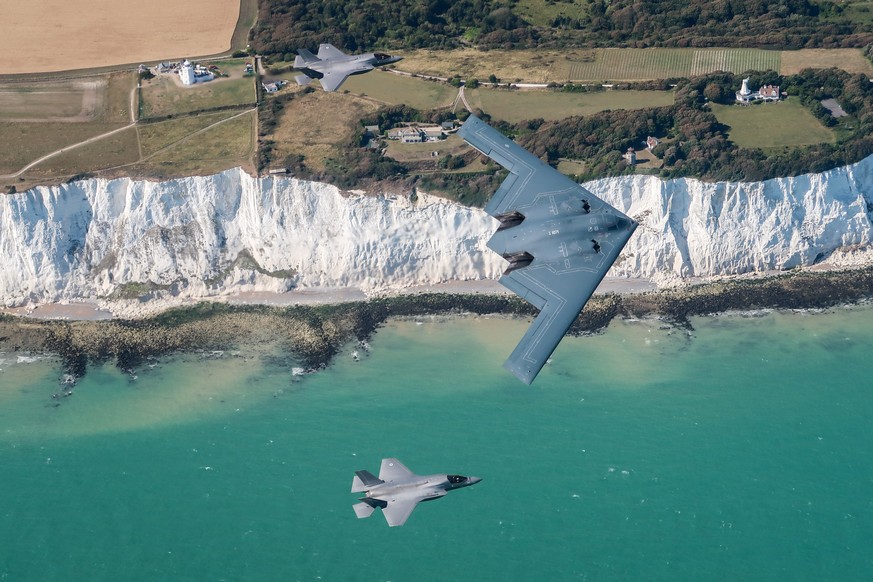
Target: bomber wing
[(557, 279)]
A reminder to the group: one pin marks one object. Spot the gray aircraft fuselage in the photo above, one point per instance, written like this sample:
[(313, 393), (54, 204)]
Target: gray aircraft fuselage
[(397, 490), (559, 238), (332, 67), (372, 60), (420, 487)]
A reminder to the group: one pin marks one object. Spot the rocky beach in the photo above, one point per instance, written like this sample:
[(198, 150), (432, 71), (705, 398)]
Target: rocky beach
[(125, 270)]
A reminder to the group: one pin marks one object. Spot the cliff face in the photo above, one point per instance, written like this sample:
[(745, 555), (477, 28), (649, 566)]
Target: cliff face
[(690, 228), (230, 232)]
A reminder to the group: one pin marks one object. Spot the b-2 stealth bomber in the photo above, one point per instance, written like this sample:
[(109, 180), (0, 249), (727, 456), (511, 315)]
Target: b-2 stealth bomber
[(559, 239), (397, 490), (332, 66)]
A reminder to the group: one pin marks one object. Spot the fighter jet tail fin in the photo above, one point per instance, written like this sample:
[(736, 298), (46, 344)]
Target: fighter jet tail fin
[(303, 58), (363, 510), (363, 480), (303, 80)]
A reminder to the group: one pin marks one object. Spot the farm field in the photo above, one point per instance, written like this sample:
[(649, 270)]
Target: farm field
[(663, 63), (315, 123), (104, 98), (397, 89), (515, 106), (165, 95), (619, 64), (772, 125), (849, 60), (63, 36)]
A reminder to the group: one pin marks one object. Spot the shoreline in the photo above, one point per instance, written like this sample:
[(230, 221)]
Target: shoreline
[(315, 332), (100, 310)]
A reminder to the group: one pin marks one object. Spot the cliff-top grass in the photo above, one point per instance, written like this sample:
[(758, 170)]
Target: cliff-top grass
[(314, 124), (396, 89), (517, 105), (165, 95), (772, 125)]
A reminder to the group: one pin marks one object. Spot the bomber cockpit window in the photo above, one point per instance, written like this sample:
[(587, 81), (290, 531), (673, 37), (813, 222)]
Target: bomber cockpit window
[(456, 479)]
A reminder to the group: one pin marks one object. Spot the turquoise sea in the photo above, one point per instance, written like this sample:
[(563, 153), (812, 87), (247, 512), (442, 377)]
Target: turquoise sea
[(742, 450)]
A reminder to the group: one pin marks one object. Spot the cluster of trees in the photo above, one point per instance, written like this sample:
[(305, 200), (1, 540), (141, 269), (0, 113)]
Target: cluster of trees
[(785, 24), (696, 143), (286, 25)]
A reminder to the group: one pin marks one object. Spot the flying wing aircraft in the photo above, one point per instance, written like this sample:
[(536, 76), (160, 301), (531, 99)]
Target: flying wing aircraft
[(332, 66), (559, 239), (397, 490)]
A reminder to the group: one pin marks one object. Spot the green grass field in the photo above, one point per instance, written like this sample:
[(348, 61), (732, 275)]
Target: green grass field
[(116, 150), (515, 106), (663, 63), (543, 12), (397, 89), (772, 125), (223, 146), (24, 142), (855, 11), (154, 137), (164, 95)]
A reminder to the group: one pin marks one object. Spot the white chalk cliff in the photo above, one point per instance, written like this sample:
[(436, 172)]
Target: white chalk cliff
[(227, 233)]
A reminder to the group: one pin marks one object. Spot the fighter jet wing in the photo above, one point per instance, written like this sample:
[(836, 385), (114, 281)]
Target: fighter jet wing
[(557, 278), (392, 470), (397, 512), (337, 74), (328, 51)]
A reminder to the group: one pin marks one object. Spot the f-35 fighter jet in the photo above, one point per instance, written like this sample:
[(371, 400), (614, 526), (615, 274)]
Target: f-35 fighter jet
[(559, 239), (332, 66), (397, 490)]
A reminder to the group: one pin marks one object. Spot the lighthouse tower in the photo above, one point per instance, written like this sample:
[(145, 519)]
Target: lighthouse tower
[(744, 94), (186, 73)]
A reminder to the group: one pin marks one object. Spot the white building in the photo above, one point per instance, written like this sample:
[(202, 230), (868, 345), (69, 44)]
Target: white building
[(765, 93), (186, 73), (191, 74)]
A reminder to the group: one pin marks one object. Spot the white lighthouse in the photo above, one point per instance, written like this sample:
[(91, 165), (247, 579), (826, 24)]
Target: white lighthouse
[(186, 73)]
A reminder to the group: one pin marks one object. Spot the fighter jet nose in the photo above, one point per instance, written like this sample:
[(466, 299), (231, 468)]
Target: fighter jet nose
[(474, 480)]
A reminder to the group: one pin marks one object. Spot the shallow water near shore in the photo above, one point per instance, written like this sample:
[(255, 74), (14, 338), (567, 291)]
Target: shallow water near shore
[(739, 450)]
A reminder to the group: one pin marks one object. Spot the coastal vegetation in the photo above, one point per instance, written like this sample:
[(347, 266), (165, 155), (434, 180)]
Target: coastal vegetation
[(286, 25), (315, 334), (695, 143), (517, 106)]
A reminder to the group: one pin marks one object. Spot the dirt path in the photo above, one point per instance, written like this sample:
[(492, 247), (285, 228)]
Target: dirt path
[(113, 132)]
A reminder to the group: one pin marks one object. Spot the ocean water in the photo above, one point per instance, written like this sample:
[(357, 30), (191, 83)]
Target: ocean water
[(741, 450)]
